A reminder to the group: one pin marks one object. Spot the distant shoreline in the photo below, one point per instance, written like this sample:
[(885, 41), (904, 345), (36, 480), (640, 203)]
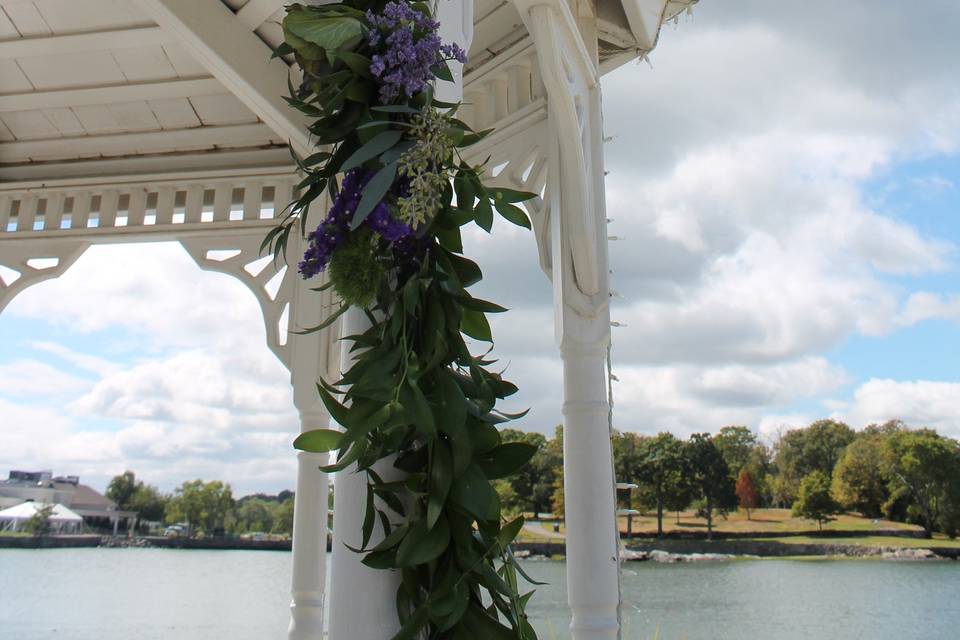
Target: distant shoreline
[(669, 549)]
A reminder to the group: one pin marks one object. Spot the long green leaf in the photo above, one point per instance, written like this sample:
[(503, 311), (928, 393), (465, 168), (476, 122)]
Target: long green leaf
[(377, 145), (373, 193), (318, 440)]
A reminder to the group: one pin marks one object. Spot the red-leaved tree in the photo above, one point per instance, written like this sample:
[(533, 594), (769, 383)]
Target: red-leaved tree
[(747, 491)]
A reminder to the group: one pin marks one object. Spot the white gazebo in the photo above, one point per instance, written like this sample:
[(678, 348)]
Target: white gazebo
[(61, 519), (163, 120)]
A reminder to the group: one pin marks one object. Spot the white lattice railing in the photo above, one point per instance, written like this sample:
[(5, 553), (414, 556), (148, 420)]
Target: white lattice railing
[(136, 206)]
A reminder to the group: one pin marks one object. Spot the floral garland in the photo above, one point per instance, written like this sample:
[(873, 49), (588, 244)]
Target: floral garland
[(391, 245)]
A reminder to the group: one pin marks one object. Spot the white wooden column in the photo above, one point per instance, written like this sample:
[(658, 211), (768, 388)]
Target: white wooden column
[(567, 55), (307, 365), (362, 600)]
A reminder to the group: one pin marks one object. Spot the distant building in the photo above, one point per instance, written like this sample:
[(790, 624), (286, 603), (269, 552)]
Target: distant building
[(96, 509)]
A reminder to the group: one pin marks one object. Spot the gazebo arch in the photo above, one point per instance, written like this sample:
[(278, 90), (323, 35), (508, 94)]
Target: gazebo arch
[(165, 120)]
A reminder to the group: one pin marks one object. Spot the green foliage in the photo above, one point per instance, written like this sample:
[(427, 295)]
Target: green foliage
[(816, 448), (711, 476), (131, 494), (860, 482), (736, 445), (814, 500), (207, 506), (39, 523), (533, 484), (926, 467), (355, 270), (415, 393), (663, 469), (121, 488)]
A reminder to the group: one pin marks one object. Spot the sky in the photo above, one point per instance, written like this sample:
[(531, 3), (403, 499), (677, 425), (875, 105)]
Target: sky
[(784, 181)]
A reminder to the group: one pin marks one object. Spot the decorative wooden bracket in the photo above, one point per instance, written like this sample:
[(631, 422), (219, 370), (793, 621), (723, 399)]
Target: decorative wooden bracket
[(26, 263), (572, 82)]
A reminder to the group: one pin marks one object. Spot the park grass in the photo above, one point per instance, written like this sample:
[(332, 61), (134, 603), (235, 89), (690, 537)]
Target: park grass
[(761, 521)]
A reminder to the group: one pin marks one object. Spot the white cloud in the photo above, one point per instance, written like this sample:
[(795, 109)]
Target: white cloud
[(685, 398), (83, 361), (29, 377), (920, 403), (154, 292)]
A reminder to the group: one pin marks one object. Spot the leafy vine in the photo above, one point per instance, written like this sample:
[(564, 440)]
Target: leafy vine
[(389, 155)]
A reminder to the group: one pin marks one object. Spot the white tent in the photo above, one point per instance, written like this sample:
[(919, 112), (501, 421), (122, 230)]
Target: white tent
[(62, 519)]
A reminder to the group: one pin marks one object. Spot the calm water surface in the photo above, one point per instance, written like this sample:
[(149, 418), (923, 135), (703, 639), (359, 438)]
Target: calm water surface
[(156, 594)]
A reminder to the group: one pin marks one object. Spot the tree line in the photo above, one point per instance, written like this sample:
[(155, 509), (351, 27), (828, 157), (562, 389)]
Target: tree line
[(884, 470), (207, 507)]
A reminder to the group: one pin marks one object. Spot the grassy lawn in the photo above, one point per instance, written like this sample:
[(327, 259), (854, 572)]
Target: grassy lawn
[(872, 541), (761, 521)]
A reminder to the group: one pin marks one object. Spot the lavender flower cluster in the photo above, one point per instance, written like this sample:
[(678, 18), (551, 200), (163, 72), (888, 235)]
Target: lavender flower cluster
[(410, 48), (332, 232)]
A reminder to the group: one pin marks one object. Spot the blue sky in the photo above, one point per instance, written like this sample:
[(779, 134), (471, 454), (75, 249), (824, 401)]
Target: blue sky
[(788, 197)]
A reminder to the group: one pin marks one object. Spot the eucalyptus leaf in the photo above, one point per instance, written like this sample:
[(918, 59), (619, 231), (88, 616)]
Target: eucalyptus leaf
[(377, 145), (318, 440), (373, 193)]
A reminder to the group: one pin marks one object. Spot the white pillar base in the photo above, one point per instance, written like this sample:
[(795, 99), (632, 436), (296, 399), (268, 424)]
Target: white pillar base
[(309, 548), (593, 570), (362, 600)]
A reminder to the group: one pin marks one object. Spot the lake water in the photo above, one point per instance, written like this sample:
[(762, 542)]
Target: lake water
[(157, 594)]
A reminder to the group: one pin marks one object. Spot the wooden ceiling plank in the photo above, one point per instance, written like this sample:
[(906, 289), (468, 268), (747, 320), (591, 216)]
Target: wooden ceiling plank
[(84, 15), (174, 113), (81, 42), (65, 120), (107, 170), (30, 125), (89, 68), (26, 19), (243, 135), (111, 94), (7, 30), (12, 79), (238, 58), (221, 109), (144, 64)]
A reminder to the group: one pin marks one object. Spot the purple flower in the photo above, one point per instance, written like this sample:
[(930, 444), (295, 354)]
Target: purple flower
[(409, 49), (333, 230)]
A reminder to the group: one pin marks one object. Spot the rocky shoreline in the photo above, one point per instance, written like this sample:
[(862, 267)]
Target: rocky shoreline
[(661, 551)]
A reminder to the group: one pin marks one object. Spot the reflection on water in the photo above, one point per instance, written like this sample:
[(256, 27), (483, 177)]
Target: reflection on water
[(156, 594)]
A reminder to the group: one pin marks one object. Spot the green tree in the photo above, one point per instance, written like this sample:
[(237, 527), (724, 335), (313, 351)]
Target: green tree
[(283, 517), (711, 476), (814, 500), (557, 502), (925, 466), (39, 523), (859, 479), (736, 445), (148, 502), (533, 484), (122, 488), (511, 504), (800, 452), (662, 467), (255, 514), (206, 505)]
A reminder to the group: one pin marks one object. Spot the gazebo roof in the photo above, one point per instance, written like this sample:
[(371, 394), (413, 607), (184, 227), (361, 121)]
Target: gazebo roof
[(115, 87)]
